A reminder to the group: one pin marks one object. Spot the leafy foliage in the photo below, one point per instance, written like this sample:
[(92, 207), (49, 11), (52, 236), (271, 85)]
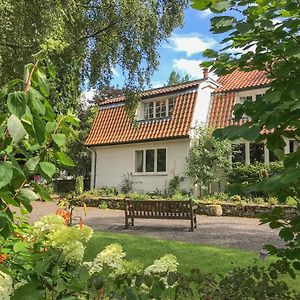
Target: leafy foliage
[(90, 38), (241, 175), (176, 78), (264, 35), (32, 140), (207, 157)]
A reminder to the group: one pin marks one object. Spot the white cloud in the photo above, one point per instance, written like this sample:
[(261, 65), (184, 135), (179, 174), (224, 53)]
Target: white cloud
[(203, 14), (191, 43), (190, 67), (115, 72), (156, 84)]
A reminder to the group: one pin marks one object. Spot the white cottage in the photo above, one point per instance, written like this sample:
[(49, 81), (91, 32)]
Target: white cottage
[(154, 150)]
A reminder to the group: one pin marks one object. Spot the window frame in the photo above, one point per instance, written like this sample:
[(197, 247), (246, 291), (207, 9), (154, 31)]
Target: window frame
[(155, 172), (155, 101)]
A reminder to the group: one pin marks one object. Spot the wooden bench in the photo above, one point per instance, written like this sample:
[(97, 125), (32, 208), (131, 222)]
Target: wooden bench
[(159, 209)]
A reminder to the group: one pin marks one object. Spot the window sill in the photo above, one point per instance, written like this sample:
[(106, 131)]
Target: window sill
[(150, 174)]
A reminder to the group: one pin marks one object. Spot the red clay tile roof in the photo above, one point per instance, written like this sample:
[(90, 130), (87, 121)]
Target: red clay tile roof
[(113, 125), (238, 80), (158, 91), (223, 98)]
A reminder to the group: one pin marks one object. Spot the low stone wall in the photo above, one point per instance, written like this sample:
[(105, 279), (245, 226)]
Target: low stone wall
[(203, 208)]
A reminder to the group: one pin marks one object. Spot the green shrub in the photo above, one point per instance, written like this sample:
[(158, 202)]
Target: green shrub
[(259, 200), (235, 198), (273, 200), (242, 175), (180, 196), (291, 201), (79, 184), (174, 185)]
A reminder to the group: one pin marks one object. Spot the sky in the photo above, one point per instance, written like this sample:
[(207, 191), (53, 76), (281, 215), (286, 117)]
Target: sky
[(182, 52)]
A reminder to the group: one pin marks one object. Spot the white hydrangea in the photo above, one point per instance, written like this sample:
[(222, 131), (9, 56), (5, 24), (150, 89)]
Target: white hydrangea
[(6, 286), (112, 256), (165, 264), (48, 224), (52, 231)]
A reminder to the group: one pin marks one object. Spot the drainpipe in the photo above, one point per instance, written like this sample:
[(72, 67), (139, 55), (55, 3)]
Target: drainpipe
[(93, 180)]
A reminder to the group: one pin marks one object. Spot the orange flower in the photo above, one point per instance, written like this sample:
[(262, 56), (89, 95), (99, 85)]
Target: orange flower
[(3, 258), (65, 214)]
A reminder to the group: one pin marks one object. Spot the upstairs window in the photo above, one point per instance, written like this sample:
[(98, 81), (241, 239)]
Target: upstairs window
[(158, 109), (151, 161)]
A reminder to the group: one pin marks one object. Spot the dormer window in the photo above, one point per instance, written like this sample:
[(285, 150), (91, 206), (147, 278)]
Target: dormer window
[(158, 109)]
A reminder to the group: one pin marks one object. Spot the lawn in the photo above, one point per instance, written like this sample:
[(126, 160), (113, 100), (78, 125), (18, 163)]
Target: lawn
[(208, 259)]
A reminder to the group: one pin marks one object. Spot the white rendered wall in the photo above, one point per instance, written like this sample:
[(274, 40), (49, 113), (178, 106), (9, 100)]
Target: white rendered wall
[(115, 161)]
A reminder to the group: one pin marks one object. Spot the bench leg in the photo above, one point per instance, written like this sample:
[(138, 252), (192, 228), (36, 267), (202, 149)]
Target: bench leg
[(195, 221), (192, 225), (126, 223), (132, 222)]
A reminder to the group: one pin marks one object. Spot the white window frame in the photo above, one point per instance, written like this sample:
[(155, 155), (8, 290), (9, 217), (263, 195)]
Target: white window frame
[(155, 101), (155, 161)]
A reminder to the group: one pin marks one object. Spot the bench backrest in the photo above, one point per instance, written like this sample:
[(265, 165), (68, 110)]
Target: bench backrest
[(159, 208)]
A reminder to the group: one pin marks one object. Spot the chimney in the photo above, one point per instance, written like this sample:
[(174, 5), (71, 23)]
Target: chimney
[(205, 73)]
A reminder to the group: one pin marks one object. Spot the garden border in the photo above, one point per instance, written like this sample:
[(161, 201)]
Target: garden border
[(203, 207)]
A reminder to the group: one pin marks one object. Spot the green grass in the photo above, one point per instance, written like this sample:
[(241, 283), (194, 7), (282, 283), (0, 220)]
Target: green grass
[(208, 259)]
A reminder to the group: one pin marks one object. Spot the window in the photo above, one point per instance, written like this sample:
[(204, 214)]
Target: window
[(139, 161), (149, 110), (238, 153), (257, 153), (171, 103), (150, 161), (158, 109), (293, 145), (245, 98), (161, 109), (161, 160)]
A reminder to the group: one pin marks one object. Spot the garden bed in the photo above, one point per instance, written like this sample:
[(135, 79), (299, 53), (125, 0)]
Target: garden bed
[(203, 207)]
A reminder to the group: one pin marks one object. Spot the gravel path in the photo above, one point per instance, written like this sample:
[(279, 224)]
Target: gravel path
[(233, 232)]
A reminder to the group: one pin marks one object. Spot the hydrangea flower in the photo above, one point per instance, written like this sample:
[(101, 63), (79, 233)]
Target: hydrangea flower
[(112, 257), (165, 264), (6, 286), (52, 231)]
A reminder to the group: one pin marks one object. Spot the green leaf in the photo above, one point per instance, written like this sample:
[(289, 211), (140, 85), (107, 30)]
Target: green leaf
[(59, 139), (31, 164), (19, 247), (47, 168), (42, 192), (252, 133), (39, 128), (35, 101), (8, 199), (220, 6), (43, 83), (243, 27), (16, 103), (29, 194), (200, 4), (51, 68), (65, 159), (50, 126), (15, 128), (6, 173), (296, 265), (29, 291), (286, 234)]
